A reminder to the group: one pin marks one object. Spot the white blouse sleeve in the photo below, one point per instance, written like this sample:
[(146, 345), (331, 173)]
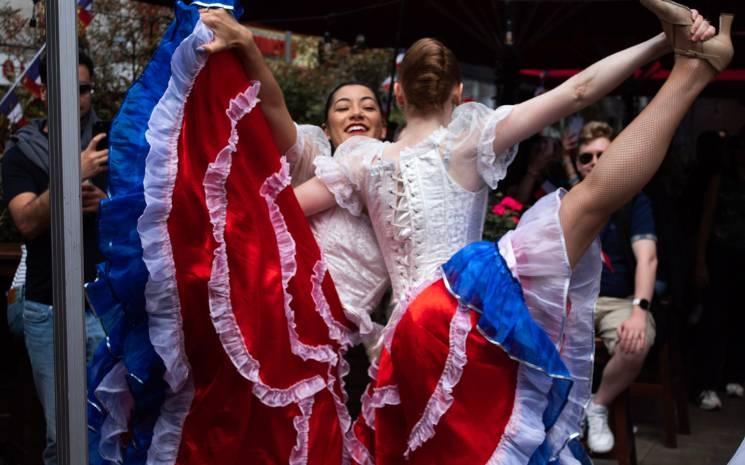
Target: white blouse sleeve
[(310, 143), (473, 130), (346, 172)]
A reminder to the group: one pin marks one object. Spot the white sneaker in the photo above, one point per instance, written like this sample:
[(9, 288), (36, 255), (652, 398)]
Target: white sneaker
[(709, 400), (599, 436), (735, 390)]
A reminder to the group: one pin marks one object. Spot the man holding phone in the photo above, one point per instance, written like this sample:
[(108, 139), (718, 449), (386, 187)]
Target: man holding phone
[(25, 181)]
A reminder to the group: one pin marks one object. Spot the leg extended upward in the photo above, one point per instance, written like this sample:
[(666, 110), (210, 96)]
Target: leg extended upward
[(636, 154)]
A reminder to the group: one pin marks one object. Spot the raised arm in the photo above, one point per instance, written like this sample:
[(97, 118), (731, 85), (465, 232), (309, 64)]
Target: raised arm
[(229, 34), (576, 93)]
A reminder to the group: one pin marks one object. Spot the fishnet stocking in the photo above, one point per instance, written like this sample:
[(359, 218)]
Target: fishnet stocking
[(632, 158)]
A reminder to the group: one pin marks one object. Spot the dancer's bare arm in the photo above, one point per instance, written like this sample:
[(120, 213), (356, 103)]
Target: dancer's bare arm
[(229, 34), (587, 87), (576, 93), (314, 197)]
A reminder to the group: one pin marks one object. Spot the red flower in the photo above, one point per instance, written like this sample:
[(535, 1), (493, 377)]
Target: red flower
[(512, 204), (499, 210), (516, 219)]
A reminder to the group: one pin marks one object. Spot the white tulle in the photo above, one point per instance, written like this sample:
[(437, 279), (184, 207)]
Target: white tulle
[(166, 440), (338, 183), (113, 394), (561, 300)]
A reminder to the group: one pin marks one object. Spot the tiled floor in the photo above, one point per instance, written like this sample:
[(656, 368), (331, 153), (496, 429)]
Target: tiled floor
[(714, 438)]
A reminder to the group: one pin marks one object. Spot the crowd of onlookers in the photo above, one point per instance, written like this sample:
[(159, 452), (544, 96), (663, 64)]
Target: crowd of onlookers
[(681, 240)]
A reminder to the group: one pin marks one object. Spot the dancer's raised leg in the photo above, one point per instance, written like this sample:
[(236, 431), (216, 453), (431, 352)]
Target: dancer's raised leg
[(635, 155)]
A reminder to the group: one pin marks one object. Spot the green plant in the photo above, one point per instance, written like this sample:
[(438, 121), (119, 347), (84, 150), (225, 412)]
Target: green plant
[(306, 86)]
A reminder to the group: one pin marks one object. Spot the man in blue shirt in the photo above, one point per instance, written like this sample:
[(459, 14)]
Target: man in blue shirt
[(622, 319)]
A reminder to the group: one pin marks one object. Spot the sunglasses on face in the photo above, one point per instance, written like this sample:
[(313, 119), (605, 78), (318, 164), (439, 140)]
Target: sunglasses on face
[(85, 88), (586, 157)]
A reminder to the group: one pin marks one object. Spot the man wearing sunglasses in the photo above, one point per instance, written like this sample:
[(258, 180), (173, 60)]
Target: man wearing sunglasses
[(25, 181), (622, 318)]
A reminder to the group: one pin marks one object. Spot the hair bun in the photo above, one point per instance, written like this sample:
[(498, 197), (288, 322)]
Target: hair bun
[(428, 72)]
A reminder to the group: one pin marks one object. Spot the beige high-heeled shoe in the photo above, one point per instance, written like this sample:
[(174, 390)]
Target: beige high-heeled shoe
[(676, 22)]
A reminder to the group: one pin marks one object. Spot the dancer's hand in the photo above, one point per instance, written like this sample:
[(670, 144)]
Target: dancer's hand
[(701, 29), (569, 142), (633, 332), (228, 33)]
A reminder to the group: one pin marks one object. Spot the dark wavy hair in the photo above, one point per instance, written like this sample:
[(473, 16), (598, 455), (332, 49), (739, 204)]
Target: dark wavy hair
[(83, 59)]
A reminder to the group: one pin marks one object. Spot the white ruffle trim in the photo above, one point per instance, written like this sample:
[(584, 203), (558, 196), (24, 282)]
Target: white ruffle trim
[(493, 166), (360, 454), (271, 188), (221, 310), (337, 331), (338, 183), (345, 420), (382, 396), (166, 440), (113, 394), (161, 291), (442, 397), (299, 454)]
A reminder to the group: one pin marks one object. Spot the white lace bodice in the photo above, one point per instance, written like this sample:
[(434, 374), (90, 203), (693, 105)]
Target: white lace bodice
[(420, 213), (348, 242)]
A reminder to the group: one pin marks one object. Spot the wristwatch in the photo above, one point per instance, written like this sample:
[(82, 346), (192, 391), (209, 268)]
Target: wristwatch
[(641, 303)]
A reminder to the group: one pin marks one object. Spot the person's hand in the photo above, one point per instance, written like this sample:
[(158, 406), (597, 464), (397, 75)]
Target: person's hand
[(93, 161), (701, 29), (227, 31), (568, 143), (632, 332), (92, 197)]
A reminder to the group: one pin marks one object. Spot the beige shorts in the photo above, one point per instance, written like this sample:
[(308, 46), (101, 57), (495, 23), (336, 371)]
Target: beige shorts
[(610, 312)]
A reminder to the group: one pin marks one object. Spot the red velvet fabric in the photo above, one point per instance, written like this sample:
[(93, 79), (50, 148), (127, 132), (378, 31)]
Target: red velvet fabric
[(227, 424), (470, 431)]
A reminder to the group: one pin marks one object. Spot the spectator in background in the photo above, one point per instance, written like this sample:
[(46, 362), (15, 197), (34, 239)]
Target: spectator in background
[(538, 173), (720, 270), (622, 318), (25, 181)]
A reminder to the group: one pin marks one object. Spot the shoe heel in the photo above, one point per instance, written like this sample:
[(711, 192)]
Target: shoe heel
[(720, 52), (725, 23)]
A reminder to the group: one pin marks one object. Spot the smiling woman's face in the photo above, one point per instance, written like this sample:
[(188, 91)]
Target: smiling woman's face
[(353, 112)]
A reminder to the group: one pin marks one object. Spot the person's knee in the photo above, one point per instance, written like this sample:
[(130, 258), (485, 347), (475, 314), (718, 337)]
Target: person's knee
[(632, 360)]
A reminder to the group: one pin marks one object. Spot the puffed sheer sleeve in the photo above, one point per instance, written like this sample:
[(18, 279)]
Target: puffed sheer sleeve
[(473, 129), (345, 174), (310, 143)]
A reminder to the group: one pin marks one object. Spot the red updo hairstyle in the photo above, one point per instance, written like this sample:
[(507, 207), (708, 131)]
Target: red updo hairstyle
[(428, 73)]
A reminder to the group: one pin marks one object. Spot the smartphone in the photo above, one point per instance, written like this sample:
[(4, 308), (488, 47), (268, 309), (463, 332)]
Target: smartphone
[(575, 124), (98, 128)]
